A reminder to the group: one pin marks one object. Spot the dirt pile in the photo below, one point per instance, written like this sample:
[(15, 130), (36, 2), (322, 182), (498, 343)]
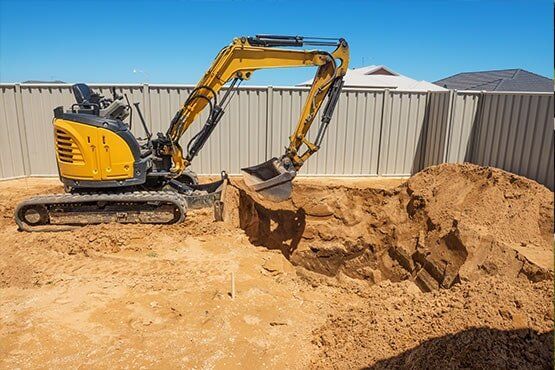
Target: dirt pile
[(490, 323), (150, 295), (447, 224)]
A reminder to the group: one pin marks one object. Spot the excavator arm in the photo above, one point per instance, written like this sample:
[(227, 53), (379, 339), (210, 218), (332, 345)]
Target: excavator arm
[(236, 63)]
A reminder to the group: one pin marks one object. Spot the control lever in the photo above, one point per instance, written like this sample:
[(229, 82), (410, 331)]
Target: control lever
[(130, 112), (148, 133)]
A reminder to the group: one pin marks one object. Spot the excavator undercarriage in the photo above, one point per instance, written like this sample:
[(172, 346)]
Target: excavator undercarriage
[(68, 211), (110, 175)]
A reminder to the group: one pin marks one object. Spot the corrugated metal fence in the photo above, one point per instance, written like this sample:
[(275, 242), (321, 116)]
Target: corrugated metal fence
[(373, 132)]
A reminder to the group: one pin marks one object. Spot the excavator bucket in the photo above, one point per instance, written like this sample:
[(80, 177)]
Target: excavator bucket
[(270, 179)]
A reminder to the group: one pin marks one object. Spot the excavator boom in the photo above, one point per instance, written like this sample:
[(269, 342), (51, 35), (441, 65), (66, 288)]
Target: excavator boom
[(236, 63)]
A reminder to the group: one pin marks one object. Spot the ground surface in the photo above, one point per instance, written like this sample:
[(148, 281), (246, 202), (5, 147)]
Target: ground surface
[(376, 274)]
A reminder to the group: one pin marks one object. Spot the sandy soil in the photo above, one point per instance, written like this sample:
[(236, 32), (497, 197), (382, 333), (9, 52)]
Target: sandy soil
[(453, 268)]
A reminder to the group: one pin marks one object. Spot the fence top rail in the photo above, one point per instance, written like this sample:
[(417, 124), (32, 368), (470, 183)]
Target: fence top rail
[(180, 86), (260, 87), (475, 92)]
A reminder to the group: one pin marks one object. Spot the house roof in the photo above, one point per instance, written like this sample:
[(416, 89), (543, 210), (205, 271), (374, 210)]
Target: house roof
[(500, 80), (43, 82), (382, 77)]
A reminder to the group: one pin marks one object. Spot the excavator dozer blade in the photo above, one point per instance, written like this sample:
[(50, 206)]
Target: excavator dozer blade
[(270, 179)]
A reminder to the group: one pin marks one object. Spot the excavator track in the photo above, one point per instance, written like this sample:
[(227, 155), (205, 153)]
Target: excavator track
[(69, 211)]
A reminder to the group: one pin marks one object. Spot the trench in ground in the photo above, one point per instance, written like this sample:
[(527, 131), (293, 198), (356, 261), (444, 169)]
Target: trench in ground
[(375, 235)]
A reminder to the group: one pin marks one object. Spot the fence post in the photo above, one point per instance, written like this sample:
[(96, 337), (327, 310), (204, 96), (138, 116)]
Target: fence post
[(22, 130), (476, 128), (424, 134), (269, 118), (386, 110), (450, 117)]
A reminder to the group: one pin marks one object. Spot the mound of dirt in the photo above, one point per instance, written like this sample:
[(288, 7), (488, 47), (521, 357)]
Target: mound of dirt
[(469, 326), (448, 223), (140, 294)]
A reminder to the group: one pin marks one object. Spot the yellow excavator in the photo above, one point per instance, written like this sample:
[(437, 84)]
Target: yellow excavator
[(109, 175)]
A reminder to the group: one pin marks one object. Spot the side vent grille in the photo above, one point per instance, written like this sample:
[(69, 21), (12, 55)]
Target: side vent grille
[(67, 149)]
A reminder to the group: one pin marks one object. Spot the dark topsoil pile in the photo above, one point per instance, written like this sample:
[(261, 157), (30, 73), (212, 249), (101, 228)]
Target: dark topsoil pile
[(447, 224)]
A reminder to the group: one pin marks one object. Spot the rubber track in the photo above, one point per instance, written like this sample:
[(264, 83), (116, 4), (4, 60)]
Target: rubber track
[(175, 198)]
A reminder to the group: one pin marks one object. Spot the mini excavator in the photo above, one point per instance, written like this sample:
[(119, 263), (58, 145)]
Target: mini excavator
[(109, 175)]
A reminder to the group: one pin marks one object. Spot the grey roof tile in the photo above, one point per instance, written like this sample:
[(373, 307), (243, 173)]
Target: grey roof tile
[(501, 80)]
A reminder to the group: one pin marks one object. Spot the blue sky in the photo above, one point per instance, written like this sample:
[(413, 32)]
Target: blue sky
[(174, 41)]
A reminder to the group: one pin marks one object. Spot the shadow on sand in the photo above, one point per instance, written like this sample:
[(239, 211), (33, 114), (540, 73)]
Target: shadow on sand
[(478, 348)]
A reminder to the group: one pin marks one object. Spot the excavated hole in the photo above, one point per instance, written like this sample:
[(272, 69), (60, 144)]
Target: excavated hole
[(410, 232)]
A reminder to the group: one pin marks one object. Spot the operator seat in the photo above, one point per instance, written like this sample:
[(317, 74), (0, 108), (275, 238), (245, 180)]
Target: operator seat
[(83, 94), (88, 102)]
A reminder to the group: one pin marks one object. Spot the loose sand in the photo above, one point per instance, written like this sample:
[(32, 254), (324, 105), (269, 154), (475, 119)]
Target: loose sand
[(452, 268)]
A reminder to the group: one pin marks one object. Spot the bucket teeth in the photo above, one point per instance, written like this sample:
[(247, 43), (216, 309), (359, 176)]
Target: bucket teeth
[(270, 179)]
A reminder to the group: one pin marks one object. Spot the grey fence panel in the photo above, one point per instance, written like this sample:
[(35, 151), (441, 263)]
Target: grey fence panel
[(547, 177), (433, 143), (403, 120), (351, 143), (515, 133), (38, 103), (11, 144), (286, 107), (357, 128), (240, 138), (164, 103), (363, 139), (391, 133), (464, 114)]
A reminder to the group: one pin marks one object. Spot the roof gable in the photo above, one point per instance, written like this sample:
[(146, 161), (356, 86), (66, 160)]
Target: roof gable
[(381, 71), (382, 77), (375, 70)]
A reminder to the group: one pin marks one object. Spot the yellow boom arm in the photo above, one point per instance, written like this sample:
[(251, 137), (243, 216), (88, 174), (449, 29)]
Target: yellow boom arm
[(237, 62)]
